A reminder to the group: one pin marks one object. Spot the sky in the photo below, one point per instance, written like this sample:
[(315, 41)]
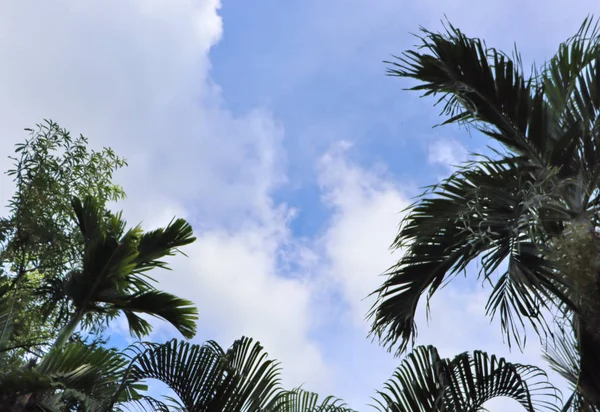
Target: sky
[(271, 127)]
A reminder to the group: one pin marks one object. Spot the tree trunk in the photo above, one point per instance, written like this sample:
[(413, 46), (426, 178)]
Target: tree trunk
[(68, 330), (589, 350), (587, 325)]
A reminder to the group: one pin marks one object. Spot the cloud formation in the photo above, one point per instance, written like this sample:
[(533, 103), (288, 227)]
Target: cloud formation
[(448, 153), (136, 76)]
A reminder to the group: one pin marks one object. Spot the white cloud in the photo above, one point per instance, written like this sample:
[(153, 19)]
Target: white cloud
[(135, 76), (447, 152), (366, 205), (366, 208)]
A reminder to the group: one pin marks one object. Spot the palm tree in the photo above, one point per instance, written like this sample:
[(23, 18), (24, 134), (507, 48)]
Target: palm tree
[(208, 378), (425, 382), (528, 212), (76, 375), (113, 278), (205, 377), (299, 400)]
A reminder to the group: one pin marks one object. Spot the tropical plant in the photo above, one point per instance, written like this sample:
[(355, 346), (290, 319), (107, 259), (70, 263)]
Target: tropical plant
[(74, 265), (113, 278), (79, 375), (92, 269), (299, 400), (528, 210), (208, 378), (39, 238), (425, 382)]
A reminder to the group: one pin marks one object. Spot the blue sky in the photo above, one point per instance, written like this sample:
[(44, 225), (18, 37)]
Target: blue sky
[(271, 126)]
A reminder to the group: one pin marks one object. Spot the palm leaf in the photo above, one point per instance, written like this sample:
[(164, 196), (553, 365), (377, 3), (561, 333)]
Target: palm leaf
[(77, 374), (181, 313), (487, 211), (91, 370), (299, 400), (564, 70), (425, 382), (479, 86), (159, 243), (206, 378), (112, 277)]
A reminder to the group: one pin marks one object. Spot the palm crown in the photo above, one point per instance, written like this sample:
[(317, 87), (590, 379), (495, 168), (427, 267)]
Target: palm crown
[(113, 278), (528, 212)]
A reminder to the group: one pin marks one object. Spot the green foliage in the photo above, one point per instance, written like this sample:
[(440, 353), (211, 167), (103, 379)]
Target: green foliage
[(67, 263), (207, 378), (113, 279), (51, 169), (299, 400), (424, 382), (39, 239), (518, 210), (77, 375)]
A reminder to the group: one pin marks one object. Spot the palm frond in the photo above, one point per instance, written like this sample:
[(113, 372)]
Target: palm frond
[(425, 382), (299, 400), (488, 211), (563, 72), (88, 214), (479, 86), (208, 378), (76, 374), (92, 370), (179, 312), (159, 243), (415, 385)]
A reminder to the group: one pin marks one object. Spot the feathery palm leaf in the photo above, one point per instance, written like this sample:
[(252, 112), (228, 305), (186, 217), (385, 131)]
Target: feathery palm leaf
[(513, 210), (207, 378), (484, 212), (113, 277), (425, 382), (76, 374), (299, 400), (503, 210)]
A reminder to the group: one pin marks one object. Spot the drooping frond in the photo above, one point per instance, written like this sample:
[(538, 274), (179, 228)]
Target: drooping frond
[(299, 400), (113, 275), (206, 378), (424, 382), (486, 212)]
